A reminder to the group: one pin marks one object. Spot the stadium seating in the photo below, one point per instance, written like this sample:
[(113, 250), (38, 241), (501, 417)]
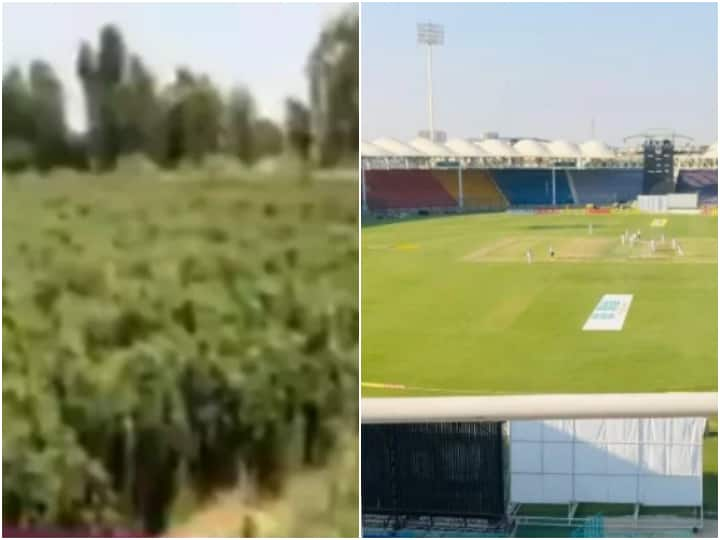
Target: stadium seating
[(405, 189), (479, 189), (704, 182), (532, 187), (605, 186), (708, 196)]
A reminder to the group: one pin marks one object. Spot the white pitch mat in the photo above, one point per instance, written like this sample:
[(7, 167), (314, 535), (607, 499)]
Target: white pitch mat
[(610, 313)]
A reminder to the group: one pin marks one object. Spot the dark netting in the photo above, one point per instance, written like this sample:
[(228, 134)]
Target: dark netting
[(444, 469)]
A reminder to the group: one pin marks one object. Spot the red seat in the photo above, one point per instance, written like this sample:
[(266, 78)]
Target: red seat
[(405, 189)]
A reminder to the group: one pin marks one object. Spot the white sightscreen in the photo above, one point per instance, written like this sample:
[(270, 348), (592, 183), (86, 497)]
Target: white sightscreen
[(683, 201), (652, 203), (651, 461)]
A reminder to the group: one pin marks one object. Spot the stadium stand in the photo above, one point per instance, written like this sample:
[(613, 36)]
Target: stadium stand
[(523, 187), (496, 189), (708, 196), (605, 186), (405, 189), (479, 189), (704, 182)]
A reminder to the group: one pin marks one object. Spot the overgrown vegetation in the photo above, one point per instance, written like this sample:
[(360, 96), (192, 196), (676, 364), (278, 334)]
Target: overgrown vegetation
[(166, 337), (330, 512)]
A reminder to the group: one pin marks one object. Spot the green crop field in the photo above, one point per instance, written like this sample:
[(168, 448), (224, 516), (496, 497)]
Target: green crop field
[(166, 340), (451, 306)]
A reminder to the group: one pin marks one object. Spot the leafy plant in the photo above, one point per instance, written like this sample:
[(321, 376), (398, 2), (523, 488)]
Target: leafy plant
[(148, 364)]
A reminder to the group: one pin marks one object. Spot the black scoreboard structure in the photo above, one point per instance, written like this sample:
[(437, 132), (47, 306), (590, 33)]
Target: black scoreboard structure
[(658, 169), (433, 469)]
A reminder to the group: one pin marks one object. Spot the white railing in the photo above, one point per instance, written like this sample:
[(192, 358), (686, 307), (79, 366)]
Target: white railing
[(399, 410)]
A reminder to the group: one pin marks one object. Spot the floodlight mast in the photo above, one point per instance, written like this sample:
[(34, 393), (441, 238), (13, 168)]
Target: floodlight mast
[(430, 34)]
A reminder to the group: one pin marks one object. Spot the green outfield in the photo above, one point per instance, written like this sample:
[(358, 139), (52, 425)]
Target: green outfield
[(451, 306)]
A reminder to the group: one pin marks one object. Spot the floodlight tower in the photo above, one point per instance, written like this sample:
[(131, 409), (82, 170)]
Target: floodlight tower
[(430, 34)]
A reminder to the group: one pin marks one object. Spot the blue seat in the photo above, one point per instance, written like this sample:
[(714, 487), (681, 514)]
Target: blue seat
[(704, 182), (606, 186), (533, 187)]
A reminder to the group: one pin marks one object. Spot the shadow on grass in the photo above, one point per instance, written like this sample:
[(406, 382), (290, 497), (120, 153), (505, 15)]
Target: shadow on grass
[(574, 226), (370, 220), (710, 492)]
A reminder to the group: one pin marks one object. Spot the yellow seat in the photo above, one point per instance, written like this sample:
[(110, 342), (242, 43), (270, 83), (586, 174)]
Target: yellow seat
[(479, 189)]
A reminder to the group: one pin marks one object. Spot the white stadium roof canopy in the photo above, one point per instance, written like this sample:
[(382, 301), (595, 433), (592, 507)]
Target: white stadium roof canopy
[(396, 148), (596, 150), (430, 148), (564, 150), (531, 149), (370, 150), (464, 148), (498, 148), (421, 147), (711, 152)]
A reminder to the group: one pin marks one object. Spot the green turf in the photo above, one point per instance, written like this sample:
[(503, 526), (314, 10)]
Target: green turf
[(450, 305)]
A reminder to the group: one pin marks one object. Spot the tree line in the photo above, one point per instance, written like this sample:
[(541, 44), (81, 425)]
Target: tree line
[(128, 112)]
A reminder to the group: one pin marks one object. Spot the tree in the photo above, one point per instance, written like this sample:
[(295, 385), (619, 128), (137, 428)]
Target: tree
[(268, 138), (101, 78), (86, 69), (297, 127), (17, 154), (193, 118), (139, 119), (34, 131), (202, 120), (17, 120), (333, 72), (110, 71), (241, 112), (48, 116), (111, 58)]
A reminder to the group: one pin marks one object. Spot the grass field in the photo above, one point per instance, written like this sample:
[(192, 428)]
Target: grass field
[(451, 306)]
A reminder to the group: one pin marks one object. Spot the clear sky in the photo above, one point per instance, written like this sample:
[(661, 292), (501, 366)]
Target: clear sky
[(543, 70), (262, 46)]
